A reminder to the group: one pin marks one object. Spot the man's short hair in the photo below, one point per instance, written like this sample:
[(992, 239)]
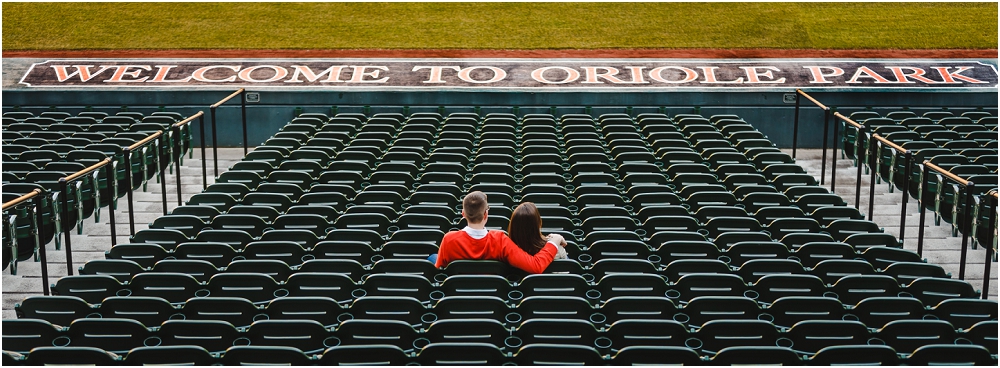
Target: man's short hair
[(474, 206)]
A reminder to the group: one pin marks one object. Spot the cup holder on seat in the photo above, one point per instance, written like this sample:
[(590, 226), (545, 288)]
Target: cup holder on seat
[(693, 343), (61, 341), (512, 342), (152, 341), (358, 293), (515, 295), (513, 317), (784, 342), (281, 293)]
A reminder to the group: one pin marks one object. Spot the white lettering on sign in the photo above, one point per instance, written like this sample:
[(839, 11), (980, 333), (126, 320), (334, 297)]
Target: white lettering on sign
[(518, 73), (571, 75), (466, 74), (818, 76), (333, 74)]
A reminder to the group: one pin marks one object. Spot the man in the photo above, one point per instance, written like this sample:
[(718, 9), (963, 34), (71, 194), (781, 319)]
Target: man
[(475, 242)]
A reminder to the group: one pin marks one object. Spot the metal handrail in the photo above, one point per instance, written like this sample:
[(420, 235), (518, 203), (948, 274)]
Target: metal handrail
[(35, 196), (848, 120), (810, 98), (180, 141), (21, 199), (88, 170), (230, 97), (144, 141), (243, 115), (189, 119), (947, 174), (889, 143)]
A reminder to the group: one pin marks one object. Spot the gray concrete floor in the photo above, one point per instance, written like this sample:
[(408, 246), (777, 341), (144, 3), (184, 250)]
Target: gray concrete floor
[(96, 237), (939, 246)]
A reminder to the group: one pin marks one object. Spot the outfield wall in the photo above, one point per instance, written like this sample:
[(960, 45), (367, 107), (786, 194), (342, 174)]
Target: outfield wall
[(769, 108)]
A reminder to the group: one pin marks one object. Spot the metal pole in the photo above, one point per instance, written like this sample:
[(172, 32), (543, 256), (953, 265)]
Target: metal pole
[(215, 146), (795, 127), (243, 107), (64, 194), (871, 190), (923, 210), (908, 161), (128, 179), (110, 168), (826, 132), (163, 179), (857, 190), (833, 169), (39, 218), (204, 162), (969, 189), (177, 158), (989, 247)]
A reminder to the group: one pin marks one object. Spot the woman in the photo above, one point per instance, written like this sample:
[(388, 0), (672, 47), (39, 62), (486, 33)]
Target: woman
[(525, 229)]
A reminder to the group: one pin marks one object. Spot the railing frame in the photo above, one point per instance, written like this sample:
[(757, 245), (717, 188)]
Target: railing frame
[(64, 194), (969, 188), (826, 131), (861, 130), (990, 196), (908, 158), (37, 197), (243, 105), (128, 175), (176, 128)]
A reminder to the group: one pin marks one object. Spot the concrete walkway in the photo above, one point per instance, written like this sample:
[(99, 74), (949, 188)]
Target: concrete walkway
[(939, 246)]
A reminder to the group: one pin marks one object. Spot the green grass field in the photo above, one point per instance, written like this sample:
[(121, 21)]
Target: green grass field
[(76, 26)]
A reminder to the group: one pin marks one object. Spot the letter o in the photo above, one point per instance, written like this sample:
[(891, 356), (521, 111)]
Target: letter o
[(657, 74), (571, 75), (279, 73), (466, 74)]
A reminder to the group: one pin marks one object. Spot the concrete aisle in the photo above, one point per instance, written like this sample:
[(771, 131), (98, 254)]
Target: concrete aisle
[(96, 237), (939, 246)]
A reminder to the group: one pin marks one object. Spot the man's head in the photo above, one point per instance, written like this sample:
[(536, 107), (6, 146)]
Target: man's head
[(474, 207)]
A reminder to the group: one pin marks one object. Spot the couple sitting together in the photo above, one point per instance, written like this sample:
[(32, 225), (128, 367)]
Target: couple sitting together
[(525, 248)]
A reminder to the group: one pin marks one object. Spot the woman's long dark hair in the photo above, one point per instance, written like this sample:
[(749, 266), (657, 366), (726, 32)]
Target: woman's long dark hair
[(525, 228)]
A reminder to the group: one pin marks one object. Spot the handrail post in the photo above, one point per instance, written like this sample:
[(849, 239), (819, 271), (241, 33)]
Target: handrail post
[(857, 190), (128, 193), (989, 247), (969, 189), (215, 146), (243, 107), (177, 157), (795, 126), (110, 172), (204, 162), (921, 197), (826, 132), (66, 227), (833, 168), (908, 161), (163, 176), (39, 218), (871, 190)]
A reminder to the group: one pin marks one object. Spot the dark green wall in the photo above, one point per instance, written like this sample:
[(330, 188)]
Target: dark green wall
[(765, 110)]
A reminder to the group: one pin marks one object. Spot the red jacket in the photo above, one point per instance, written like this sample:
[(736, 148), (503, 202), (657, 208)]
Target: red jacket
[(495, 246)]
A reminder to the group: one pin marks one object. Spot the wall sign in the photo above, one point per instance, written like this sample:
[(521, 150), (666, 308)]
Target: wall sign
[(541, 74)]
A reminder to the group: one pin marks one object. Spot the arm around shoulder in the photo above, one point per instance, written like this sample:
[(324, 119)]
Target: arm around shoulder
[(518, 258)]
